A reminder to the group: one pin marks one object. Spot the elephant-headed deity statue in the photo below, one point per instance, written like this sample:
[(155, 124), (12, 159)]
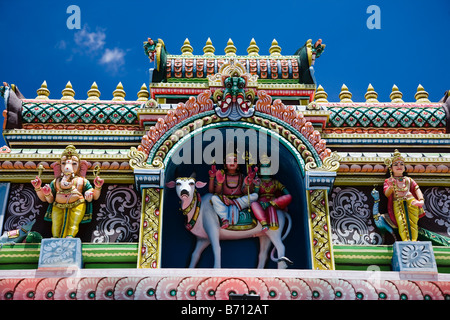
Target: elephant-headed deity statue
[(69, 195)]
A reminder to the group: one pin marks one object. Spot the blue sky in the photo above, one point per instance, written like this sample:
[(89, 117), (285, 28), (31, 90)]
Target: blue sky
[(411, 48)]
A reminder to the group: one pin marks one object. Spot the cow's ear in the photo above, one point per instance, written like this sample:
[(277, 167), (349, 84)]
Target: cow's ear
[(200, 184), (171, 184)]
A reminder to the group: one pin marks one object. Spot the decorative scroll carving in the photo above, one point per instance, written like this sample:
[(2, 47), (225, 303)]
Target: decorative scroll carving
[(118, 216), (351, 218), (23, 207)]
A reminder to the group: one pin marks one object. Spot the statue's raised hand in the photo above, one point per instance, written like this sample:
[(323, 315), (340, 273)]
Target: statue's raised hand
[(220, 176), (36, 182), (46, 190), (88, 195), (212, 172), (251, 175), (98, 182)]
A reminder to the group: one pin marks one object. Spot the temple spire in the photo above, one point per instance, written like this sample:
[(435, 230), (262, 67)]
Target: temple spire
[(230, 49), (321, 96), (208, 49), (253, 49), (421, 95), (345, 95), (143, 94), (119, 94), (275, 49), (371, 95), (68, 93), (396, 95), (186, 49), (93, 93), (43, 92)]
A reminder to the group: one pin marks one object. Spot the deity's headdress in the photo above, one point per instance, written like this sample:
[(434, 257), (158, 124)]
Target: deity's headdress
[(265, 160), (397, 156), (70, 151)]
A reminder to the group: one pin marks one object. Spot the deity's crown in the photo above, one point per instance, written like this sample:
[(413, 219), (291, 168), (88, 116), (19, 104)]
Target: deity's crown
[(70, 151), (265, 160), (397, 156)]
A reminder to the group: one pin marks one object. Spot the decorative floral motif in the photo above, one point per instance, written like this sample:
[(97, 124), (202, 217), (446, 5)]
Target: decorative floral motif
[(125, 288), (299, 289), (45, 289), (26, 289), (167, 288), (58, 251), (363, 290), (387, 117), (23, 206), (5, 149), (343, 290), (408, 290), (278, 290), (146, 288), (79, 113), (87, 288), (351, 218), (187, 289), (415, 256), (210, 288), (105, 288), (437, 207), (230, 286), (66, 289), (430, 291), (321, 289), (118, 216)]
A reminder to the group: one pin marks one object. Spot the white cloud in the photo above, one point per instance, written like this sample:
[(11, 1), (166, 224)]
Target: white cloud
[(61, 45), (113, 59), (93, 44), (90, 41)]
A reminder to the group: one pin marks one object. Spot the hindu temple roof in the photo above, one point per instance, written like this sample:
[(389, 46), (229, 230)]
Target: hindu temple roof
[(270, 68)]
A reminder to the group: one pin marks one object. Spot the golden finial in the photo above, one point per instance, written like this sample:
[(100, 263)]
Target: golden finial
[(396, 95), (119, 94), (371, 95), (253, 49), (275, 49), (93, 93), (143, 94), (345, 95), (68, 93), (421, 95), (43, 92), (186, 49), (208, 49), (230, 49), (321, 95)]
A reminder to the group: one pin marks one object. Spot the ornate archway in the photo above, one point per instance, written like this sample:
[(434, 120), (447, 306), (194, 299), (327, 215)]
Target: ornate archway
[(210, 110)]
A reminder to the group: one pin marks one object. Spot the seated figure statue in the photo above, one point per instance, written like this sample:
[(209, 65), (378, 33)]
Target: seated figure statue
[(233, 192)]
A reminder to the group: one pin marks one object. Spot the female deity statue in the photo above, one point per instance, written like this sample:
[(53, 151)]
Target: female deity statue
[(70, 194), (405, 200), (272, 195), (233, 192)]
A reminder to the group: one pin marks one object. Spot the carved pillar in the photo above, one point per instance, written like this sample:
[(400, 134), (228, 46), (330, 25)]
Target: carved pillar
[(149, 236), (149, 180), (319, 181)]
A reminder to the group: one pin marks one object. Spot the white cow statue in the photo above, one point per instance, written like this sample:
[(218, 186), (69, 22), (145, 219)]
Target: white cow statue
[(204, 223)]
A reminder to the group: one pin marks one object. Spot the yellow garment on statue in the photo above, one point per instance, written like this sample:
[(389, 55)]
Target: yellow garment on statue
[(407, 221), (65, 221)]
